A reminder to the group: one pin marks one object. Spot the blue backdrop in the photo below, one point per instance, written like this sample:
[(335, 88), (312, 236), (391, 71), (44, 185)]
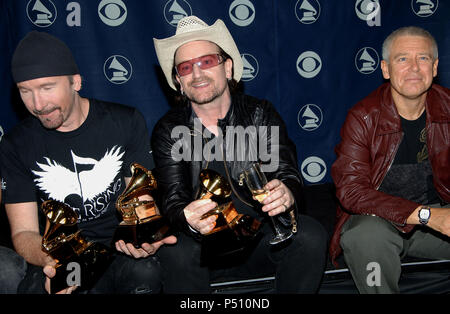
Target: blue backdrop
[(313, 59)]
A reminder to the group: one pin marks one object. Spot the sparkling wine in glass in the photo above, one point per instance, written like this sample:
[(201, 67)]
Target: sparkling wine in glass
[(256, 180)]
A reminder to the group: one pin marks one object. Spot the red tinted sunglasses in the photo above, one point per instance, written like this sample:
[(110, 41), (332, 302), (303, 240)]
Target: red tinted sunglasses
[(204, 62)]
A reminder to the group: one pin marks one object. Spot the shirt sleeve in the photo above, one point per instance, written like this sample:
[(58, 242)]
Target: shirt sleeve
[(138, 144), (17, 179)]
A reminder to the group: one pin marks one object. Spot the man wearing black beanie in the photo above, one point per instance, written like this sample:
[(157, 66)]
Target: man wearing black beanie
[(40, 54), (77, 151)]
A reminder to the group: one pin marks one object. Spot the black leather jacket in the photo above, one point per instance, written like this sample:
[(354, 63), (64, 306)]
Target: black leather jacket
[(178, 180)]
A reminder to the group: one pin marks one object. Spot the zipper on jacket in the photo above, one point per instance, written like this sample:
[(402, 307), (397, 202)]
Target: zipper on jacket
[(392, 161), (389, 168), (231, 182)]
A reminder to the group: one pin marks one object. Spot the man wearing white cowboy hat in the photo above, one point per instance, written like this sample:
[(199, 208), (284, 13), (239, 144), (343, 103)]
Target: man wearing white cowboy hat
[(203, 64)]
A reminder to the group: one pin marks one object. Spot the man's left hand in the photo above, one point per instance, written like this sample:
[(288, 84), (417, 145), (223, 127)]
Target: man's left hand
[(146, 249), (280, 198)]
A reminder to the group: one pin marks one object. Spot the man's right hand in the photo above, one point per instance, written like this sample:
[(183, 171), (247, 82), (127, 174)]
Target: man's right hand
[(194, 211), (50, 272)]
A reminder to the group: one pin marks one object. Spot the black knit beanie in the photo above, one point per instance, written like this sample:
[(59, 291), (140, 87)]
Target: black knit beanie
[(40, 54)]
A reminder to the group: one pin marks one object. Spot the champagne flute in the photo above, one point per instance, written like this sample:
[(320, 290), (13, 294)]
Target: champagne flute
[(256, 180)]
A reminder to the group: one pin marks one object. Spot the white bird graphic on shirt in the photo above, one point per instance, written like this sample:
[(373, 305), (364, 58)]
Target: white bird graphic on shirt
[(59, 182)]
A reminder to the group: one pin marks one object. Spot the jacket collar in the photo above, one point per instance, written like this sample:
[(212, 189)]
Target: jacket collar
[(389, 117), (229, 117), (437, 97)]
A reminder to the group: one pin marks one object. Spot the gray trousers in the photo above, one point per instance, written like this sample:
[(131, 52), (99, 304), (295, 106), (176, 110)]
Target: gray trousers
[(12, 270), (373, 249)]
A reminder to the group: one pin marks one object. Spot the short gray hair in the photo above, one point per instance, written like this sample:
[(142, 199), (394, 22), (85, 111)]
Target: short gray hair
[(408, 31)]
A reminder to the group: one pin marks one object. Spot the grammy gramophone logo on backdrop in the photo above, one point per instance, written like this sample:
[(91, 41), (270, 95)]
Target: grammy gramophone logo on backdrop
[(424, 8), (310, 117), (41, 13), (307, 11), (367, 60), (251, 67), (175, 10), (117, 69)]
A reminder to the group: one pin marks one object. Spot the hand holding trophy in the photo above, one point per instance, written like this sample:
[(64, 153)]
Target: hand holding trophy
[(233, 231), (256, 182), (70, 250), (142, 221)]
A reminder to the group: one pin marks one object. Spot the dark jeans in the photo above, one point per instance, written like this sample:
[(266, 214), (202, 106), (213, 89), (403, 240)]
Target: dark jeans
[(125, 275), (298, 265), (12, 270)]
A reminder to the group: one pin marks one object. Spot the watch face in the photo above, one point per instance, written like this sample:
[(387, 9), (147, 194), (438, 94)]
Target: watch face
[(424, 213)]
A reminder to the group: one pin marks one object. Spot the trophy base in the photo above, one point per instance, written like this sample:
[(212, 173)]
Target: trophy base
[(234, 238), (151, 230), (83, 270)]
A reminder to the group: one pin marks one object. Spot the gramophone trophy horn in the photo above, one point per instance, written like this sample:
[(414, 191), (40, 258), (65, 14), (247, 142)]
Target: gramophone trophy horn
[(141, 218), (232, 230), (64, 243)]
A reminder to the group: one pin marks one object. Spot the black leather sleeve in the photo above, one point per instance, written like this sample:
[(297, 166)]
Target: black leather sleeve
[(174, 188)]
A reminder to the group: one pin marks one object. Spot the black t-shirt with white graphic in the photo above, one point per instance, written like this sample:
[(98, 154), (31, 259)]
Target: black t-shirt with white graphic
[(84, 168)]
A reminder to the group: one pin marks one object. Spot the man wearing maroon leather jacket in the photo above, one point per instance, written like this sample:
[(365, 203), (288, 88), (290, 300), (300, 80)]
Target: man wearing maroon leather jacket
[(392, 172)]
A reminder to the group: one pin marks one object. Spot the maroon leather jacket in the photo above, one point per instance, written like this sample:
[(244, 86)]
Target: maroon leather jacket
[(370, 137)]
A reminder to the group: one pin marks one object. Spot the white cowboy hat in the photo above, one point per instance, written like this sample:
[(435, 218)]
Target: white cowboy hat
[(191, 28)]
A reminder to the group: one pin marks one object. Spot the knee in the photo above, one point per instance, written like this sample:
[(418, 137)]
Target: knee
[(312, 238), (185, 252), (148, 269), (141, 276), (368, 233), (12, 270), (312, 233)]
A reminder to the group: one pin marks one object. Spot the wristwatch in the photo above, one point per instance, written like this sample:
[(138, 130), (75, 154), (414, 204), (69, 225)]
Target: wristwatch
[(424, 215)]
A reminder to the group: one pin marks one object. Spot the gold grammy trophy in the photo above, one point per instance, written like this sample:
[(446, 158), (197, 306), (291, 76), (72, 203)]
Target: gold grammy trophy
[(141, 219), (233, 230), (71, 251)]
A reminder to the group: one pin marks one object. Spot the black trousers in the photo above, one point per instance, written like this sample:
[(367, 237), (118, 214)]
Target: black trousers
[(125, 275), (298, 264)]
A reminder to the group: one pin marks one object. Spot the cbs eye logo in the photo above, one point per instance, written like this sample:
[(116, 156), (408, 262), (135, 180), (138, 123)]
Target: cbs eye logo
[(313, 169), (367, 9), (242, 12), (112, 12), (309, 64)]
